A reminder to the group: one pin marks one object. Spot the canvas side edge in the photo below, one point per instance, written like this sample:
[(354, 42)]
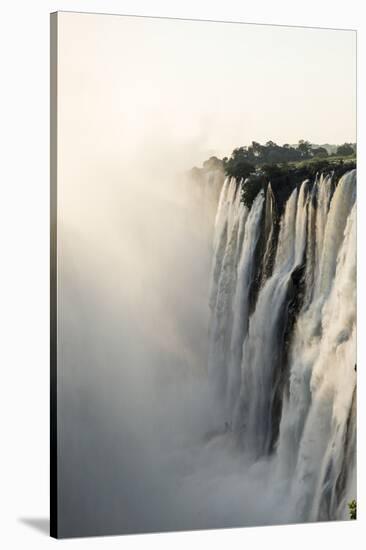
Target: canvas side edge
[(53, 277)]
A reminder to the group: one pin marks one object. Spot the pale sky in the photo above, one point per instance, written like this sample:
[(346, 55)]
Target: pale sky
[(131, 85)]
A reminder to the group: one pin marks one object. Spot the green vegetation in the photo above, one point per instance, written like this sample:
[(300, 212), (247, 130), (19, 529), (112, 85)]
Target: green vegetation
[(346, 150), (270, 153), (238, 168), (285, 167), (258, 155), (352, 509)]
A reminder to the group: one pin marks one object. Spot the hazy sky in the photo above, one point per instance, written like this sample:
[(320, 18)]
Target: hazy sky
[(129, 85)]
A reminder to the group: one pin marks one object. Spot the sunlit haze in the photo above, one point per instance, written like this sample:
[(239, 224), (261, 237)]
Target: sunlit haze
[(197, 89)]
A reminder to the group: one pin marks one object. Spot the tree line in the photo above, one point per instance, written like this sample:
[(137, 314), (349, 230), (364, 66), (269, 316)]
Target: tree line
[(245, 160), (284, 166)]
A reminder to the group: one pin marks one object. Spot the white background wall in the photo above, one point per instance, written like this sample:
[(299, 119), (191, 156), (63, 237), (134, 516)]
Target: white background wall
[(24, 271)]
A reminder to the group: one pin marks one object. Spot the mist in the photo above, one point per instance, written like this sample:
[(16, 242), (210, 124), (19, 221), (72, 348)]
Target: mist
[(135, 406), (142, 443)]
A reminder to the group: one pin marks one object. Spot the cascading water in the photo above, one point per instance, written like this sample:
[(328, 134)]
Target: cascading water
[(283, 350)]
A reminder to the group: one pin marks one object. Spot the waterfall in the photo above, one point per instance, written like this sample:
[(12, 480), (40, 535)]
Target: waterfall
[(282, 358), (241, 296)]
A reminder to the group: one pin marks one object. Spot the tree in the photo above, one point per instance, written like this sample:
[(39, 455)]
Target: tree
[(273, 171), (238, 165), (352, 509), (320, 152), (304, 148), (345, 150), (257, 148)]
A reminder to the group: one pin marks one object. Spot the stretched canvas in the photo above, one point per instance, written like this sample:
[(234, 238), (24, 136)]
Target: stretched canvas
[(203, 275)]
